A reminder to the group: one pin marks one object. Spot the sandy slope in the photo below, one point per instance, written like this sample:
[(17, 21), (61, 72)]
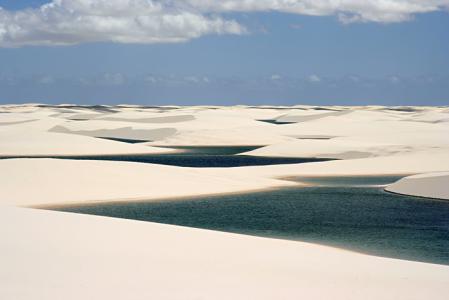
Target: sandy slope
[(54, 181), (402, 163), (432, 185), (54, 255), (35, 138), (66, 181)]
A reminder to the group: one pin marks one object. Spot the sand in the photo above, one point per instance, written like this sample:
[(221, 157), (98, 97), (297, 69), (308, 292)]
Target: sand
[(71, 181), (168, 119), (122, 133), (54, 255), (431, 185), (36, 139)]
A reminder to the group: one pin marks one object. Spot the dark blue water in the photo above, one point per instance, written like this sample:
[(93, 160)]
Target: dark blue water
[(199, 157), (276, 122), (348, 181), (364, 219), (128, 141)]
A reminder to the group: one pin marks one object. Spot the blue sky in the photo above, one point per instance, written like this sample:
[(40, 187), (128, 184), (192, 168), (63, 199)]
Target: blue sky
[(253, 56)]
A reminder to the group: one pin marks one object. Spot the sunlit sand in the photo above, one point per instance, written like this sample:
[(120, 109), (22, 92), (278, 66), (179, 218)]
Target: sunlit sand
[(73, 256)]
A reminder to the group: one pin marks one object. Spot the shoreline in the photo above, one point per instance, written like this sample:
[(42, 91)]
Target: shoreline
[(310, 242), (296, 184), (416, 196), (147, 200), (84, 209)]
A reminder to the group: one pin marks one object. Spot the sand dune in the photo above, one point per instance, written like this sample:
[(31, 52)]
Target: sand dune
[(59, 144), (72, 256), (310, 117), (34, 139), (122, 132), (56, 254), (15, 122), (431, 185), (167, 119), (400, 164), (71, 181), (339, 148)]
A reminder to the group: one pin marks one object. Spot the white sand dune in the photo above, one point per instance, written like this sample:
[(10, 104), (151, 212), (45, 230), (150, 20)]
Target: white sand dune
[(83, 116), (166, 119), (338, 148), (71, 181), (431, 185), (15, 122), (54, 255), (309, 117), (400, 164), (34, 139), (122, 132), (115, 181), (313, 137), (59, 144)]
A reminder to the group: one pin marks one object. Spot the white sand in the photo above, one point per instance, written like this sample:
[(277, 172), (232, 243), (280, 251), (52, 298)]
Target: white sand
[(53, 255), (67, 181), (167, 119), (406, 163), (122, 133), (432, 185), (34, 139), (315, 115)]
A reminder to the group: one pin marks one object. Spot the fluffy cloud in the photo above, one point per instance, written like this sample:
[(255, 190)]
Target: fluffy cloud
[(347, 10), (68, 22)]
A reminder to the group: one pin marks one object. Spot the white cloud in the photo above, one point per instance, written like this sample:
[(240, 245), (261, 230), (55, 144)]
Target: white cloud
[(275, 77), (45, 80), (68, 22), (394, 79), (193, 79), (314, 78), (113, 79), (104, 79), (354, 78), (347, 10), (296, 26), (150, 79)]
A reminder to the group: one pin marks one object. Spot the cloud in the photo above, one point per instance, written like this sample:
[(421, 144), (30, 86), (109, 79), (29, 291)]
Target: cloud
[(348, 11), (314, 78), (394, 79), (296, 26), (196, 79), (193, 79), (275, 77), (354, 78), (105, 79), (150, 79), (69, 22), (45, 80), (113, 79)]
